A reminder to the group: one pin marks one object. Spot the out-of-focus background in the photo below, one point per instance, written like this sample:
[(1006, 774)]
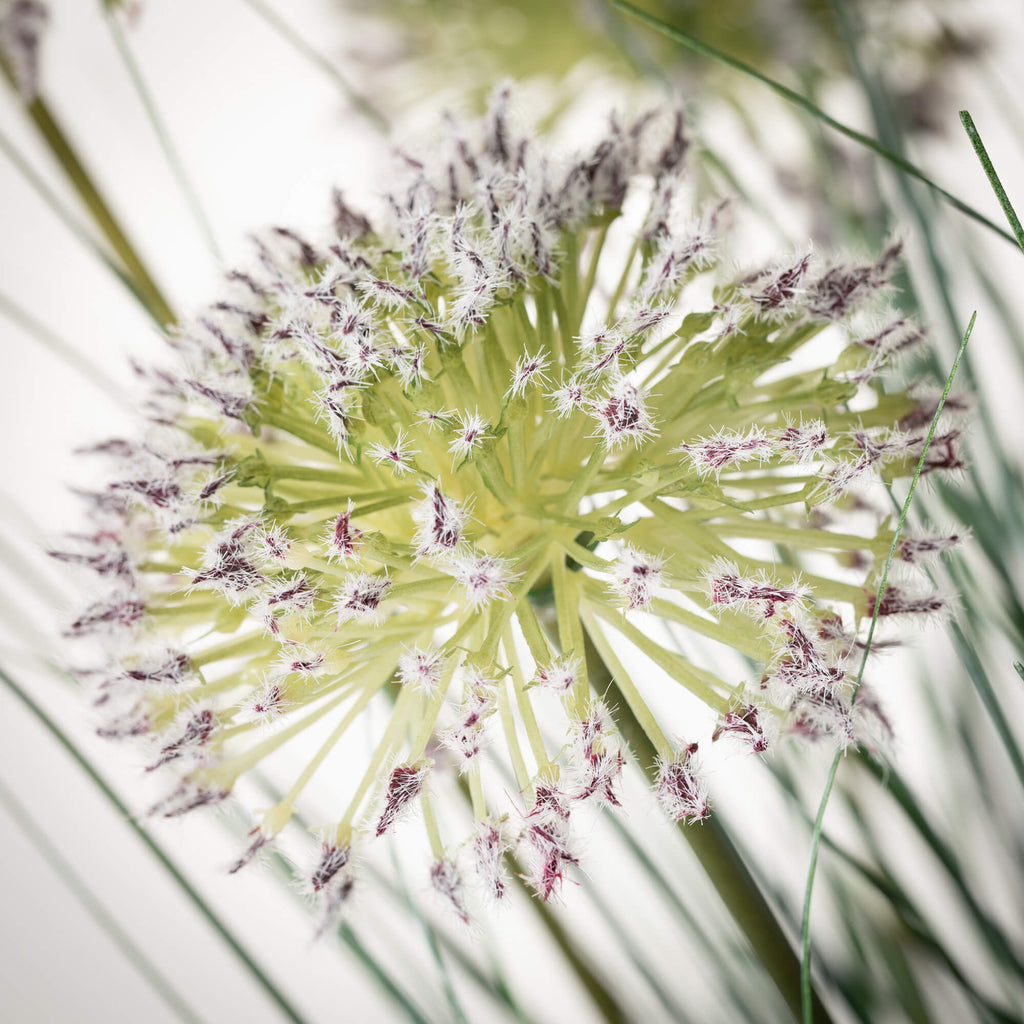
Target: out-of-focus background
[(264, 132)]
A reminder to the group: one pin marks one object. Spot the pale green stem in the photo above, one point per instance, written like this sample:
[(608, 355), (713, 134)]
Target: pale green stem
[(129, 818), (174, 161), (64, 350), (64, 870), (805, 926), (642, 713), (283, 29)]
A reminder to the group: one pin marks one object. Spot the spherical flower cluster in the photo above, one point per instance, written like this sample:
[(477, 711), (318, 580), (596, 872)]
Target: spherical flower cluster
[(445, 464)]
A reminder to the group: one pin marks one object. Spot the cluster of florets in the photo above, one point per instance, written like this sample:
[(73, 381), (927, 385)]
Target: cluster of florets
[(445, 464)]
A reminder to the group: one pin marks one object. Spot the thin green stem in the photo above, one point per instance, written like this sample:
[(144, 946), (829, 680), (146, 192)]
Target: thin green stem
[(64, 350), (143, 285), (805, 927), (318, 60), (717, 854), (64, 870), (268, 985), (993, 179), (792, 96), (174, 162)]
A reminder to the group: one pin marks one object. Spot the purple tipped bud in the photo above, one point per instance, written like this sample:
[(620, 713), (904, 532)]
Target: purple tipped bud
[(681, 788), (405, 783)]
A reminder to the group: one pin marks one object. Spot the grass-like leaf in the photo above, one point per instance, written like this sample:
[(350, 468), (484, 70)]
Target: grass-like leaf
[(993, 179), (805, 930), (261, 977), (174, 161), (79, 888), (792, 96)]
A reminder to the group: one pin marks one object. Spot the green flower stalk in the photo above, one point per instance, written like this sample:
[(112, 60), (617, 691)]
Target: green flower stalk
[(427, 464)]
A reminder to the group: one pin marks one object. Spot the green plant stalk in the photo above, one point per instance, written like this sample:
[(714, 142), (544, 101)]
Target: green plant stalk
[(174, 161), (268, 986), (283, 29), (717, 855), (792, 96), (49, 853), (63, 350), (447, 982), (805, 964), (993, 179), (53, 135)]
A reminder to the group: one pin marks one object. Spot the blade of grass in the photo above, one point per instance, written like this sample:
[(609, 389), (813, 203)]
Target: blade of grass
[(493, 986), (64, 350), (62, 867), (805, 931), (792, 96), (65, 216), (71, 748), (447, 982), (993, 179), (717, 854), (144, 287), (741, 1006), (882, 881), (174, 161), (318, 60)]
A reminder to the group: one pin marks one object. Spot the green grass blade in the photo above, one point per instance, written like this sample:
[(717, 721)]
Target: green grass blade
[(53, 135), (993, 179), (986, 692), (259, 975), (430, 933), (174, 161), (64, 350), (718, 856), (65, 216), (94, 908), (318, 60), (799, 100), (805, 928)]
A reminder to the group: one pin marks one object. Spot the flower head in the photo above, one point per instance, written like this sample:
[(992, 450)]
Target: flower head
[(397, 457)]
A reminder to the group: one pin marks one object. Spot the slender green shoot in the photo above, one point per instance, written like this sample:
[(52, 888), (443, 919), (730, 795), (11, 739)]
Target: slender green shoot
[(259, 975), (318, 60), (62, 867), (156, 121), (64, 350), (805, 932), (799, 100), (132, 269), (993, 179)]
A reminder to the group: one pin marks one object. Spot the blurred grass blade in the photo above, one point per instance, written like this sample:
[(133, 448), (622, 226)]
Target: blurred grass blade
[(717, 854), (690, 920), (805, 928), (492, 986), (64, 350), (993, 179), (267, 984), (989, 697), (893, 783), (143, 285), (61, 867), (174, 161), (792, 96), (283, 29), (447, 982), (65, 216)]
